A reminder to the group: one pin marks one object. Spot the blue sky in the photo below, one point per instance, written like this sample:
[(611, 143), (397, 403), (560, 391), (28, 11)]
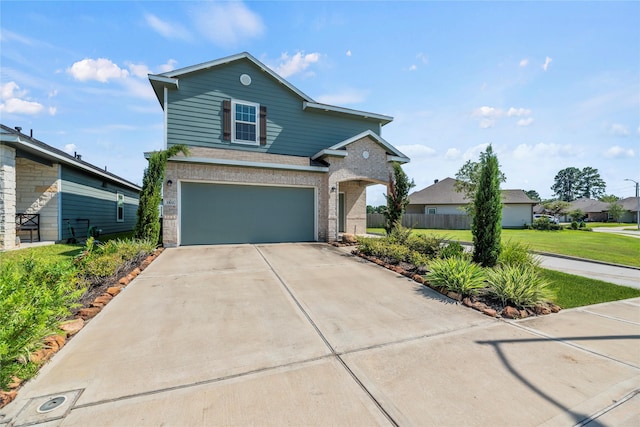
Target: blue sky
[(549, 84)]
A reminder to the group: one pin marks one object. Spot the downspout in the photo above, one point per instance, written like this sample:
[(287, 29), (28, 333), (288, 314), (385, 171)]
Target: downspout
[(166, 116), (59, 202), (337, 210)]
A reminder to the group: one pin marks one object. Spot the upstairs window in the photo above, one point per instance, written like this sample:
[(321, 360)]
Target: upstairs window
[(244, 122), (431, 211)]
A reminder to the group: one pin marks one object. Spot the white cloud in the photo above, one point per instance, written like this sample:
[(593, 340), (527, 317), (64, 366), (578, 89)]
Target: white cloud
[(518, 112), (416, 151), (290, 65), (546, 64), (170, 65), (348, 96), (486, 111), (70, 148), (487, 123), (52, 111), (10, 90), (619, 130), (423, 58), (524, 62), (13, 101), (166, 29), (525, 122), (139, 70), (227, 24), (348, 52), (413, 67), (452, 154), (616, 152), (20, 106), (546, 151), (473, 153), (100, 69)]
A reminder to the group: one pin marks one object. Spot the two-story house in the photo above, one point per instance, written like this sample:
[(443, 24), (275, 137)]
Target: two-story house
[(267, 162)]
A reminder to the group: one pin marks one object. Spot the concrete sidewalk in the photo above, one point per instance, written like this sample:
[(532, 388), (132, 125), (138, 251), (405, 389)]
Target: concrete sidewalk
[(304, 334)]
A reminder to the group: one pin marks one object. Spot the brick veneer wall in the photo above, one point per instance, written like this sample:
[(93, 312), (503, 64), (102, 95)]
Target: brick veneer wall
[(37, 188)]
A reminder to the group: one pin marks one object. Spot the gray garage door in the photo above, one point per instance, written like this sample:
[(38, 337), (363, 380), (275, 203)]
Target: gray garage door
[(225, 213)]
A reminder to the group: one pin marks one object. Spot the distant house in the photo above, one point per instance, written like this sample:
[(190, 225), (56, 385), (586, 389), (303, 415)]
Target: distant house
[(442, 198), (49, 195), (267, 162), (630, 206)]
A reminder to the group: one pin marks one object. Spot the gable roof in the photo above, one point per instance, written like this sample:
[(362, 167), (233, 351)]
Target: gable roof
[(170, 79), (444, 193), (339, 151), (30, 147)]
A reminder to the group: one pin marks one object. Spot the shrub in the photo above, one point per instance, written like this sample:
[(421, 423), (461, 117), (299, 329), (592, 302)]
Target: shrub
[(34, 296), (105, 260), (428, 245), (452, 250), (418, 259), (456, 274), (545, 225), (399, 234), (574, 225), (521, 286), (384, 249), (517, 254)]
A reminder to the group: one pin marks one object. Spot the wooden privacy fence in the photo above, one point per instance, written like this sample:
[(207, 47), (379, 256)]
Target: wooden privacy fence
[(435, 221)]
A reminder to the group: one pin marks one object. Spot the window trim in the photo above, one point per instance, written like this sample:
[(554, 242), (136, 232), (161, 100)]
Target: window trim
[(119, 197), (431, 211), (235, 102)]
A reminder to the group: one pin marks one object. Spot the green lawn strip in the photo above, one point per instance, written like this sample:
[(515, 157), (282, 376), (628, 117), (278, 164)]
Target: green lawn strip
[(577, 291), (606, 247), (48, 252)]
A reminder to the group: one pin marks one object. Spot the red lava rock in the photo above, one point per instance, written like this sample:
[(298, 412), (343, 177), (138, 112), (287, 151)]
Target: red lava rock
[(136, 271), (72, 327), (114, 290), (15, 382), (88, 312), (55, 342), (489, 312), (541, 310), (443, 291), (349, 238), (478, 305), (6, 397), (554, 308), (467, 301), (103, 299), (510, 312), (524, 314), (124, 281), (418, 278), (41, 355), (454, 295)]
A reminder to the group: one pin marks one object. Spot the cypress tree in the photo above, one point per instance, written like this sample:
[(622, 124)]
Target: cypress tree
[(487, 221), (148, 215), (398, 197)]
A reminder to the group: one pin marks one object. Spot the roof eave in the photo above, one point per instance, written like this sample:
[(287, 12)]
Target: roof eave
[(381, 118)]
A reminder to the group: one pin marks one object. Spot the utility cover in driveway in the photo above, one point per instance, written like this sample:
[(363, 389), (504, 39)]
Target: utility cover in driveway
[(229, 213)]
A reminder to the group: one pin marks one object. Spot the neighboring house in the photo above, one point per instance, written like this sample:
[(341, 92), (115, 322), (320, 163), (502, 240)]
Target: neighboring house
[(630, 206), (442, 198), (51, 192), (267, 162)]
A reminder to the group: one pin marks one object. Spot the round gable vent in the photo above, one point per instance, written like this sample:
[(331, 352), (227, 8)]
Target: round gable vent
[(245, 79)]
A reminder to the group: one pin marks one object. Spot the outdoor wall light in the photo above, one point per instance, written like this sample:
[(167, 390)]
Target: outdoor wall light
[(333, 189), (169, 183)]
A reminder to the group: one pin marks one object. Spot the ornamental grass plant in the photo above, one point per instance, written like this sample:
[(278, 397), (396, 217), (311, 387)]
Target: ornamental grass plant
[(518, 285), (458, 275)]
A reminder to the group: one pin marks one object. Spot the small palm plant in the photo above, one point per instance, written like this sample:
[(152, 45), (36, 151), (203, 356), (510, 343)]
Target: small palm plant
[(458, 275), (521, 285)]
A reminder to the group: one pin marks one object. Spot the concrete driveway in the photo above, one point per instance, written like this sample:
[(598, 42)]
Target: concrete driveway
[(305, 334)]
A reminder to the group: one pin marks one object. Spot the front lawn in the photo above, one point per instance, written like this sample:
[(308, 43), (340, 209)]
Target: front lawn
[(576, 291), (606, 247)]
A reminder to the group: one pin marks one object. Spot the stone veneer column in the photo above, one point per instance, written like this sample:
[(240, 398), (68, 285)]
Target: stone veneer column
[(8, 199)]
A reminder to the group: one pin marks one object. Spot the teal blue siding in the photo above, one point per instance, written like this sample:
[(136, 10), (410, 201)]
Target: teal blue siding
[(225, 213), (194, 113), (89, 197)]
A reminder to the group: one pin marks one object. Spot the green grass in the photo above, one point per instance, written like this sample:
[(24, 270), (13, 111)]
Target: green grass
[(605, 247), (576, 291), (49, 252)]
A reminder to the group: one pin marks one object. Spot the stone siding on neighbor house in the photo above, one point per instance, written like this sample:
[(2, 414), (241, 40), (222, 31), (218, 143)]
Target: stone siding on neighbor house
[(38, 187), (236, 174), (8, 199)]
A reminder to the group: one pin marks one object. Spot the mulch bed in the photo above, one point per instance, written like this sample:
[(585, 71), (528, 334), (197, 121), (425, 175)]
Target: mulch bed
[(483, 303), (98, 294)]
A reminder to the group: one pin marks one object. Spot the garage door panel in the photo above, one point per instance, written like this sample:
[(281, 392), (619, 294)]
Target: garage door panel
[(226, 213)]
